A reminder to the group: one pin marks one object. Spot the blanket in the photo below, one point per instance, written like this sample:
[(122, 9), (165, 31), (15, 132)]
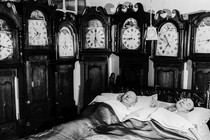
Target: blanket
[(134, 129), (94, 116), (99, 122)]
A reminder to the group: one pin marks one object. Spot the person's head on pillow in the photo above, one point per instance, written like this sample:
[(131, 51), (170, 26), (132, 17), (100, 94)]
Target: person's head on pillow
[(185, 105), (129, 98)]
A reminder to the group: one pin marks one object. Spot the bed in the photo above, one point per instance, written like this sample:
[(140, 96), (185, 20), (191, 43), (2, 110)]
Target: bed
[(105, 119)]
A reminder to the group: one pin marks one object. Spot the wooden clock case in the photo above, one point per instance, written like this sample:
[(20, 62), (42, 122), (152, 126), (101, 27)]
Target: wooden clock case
[(133, 62), (168, 69), (94, 61)]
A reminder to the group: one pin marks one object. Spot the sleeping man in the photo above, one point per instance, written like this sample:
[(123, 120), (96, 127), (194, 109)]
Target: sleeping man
[(182, 107), (128, 99)]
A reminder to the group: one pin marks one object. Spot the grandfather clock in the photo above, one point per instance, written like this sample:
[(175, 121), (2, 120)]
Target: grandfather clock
[(10, 40), (199, 51), (169, 49), (130, 44), (94, 39), (66, 56), (38, 53)]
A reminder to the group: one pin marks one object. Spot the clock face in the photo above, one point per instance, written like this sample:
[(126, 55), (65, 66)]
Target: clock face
[(65, 42), (131, 38), (130, 35), (6, 45), (168, 41), (37, 30), (95, 38), (202, 37)]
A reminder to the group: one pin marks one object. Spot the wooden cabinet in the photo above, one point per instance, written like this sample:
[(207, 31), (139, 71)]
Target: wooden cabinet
[(7, 103), (64, 104), (95, 76)]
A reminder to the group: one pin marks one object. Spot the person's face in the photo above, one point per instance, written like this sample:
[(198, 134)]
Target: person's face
[(129, 98), (184, 105)]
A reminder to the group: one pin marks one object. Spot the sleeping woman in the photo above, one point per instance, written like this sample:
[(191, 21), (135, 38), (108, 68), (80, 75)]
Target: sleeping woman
[(100, 112)]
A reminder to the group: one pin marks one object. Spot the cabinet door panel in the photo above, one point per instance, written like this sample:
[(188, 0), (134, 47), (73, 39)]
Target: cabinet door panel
[(168, 77), (201, 75), (7, 103), (64, 94), (37, 90), (95, 79), (202, 79)]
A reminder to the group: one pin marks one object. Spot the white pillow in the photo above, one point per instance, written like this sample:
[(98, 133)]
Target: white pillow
[(199, 116), (112, 96), (163, 104), (144, 101)]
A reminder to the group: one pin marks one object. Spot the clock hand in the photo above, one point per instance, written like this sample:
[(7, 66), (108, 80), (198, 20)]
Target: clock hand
[(165, 47), (1, 46), (206, 40), (95, 39), (168, 44)]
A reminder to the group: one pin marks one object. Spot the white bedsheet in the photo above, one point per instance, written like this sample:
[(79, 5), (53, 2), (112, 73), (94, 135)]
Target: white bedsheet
[(167, 119)]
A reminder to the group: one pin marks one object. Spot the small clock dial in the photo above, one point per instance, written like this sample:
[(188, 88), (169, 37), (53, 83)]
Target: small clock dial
[(6, 45), (202, 39), (95, 37), (65, 43), (167, 44), (37, 30), (131, 38)]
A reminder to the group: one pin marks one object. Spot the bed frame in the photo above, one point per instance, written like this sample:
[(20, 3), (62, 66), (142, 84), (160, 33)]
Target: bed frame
[(199, 97)]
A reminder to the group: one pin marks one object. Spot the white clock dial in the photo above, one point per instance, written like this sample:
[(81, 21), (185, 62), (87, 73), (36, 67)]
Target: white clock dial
[(131, 38), (65, 43), (202, 40), (168, 41), (37, 30), (6, 45), (95, 38)]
